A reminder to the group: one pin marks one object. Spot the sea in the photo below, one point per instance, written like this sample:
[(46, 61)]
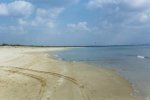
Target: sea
[(131, 62)]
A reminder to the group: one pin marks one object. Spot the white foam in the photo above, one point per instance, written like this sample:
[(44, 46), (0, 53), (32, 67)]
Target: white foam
[(60, 59), (147, 98), (141, 57), (74, 61), (56, 56)]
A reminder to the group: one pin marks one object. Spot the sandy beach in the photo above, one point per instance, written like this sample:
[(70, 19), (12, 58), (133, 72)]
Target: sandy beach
[(29, 73)]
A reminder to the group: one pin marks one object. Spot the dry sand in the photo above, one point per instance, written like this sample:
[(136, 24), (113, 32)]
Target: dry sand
[(31, 74)]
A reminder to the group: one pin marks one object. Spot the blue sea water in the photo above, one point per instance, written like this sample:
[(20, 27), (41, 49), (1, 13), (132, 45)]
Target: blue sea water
[(131, 62)]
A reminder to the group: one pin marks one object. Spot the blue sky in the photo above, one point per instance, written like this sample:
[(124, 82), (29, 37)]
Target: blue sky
[(75, 22)]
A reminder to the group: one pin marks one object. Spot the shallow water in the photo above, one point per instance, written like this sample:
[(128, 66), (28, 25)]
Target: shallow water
[(132, 62)]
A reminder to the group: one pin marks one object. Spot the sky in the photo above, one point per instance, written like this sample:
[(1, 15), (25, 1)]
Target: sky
[(75, 22)]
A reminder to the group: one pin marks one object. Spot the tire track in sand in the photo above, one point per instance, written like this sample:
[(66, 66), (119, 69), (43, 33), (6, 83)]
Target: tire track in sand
[(40, 79), (72, 80)]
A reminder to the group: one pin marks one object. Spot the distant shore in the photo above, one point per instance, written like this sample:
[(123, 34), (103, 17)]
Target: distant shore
[(29, 73), (23, 45)]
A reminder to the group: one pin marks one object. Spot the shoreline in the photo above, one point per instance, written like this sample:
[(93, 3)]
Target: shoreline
[(71, 81)]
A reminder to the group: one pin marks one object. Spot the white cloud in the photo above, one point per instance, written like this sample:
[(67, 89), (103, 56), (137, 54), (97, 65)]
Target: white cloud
[(16, 8), (140, 18), (22, 22), (100, 3), (81, 26), (3, 9), (136, 11), (12, 29), (43, 17), (51, 13), (144, 17), (138, 3), (129, 3)]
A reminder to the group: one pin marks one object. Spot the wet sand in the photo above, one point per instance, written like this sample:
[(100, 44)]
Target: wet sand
[(29, 73)]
